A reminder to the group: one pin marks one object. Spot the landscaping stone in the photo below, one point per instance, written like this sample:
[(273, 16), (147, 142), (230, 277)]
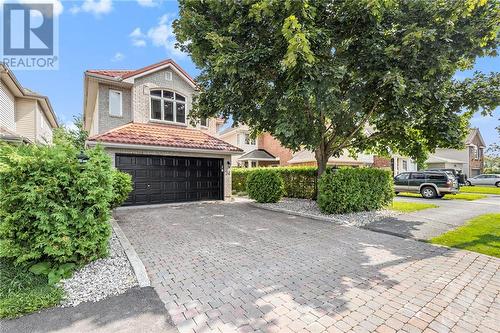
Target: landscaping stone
[(310, 207), (101, 278)]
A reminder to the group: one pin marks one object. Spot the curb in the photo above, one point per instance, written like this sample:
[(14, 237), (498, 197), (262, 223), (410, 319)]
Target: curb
[(133, 258), (290, 212)]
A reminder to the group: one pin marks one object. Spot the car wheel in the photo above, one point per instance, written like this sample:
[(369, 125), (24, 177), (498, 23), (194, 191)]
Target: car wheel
[(428, 192), (468, 183), (497, 184)]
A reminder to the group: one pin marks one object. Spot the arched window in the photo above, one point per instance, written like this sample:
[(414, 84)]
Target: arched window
[(168, 106)]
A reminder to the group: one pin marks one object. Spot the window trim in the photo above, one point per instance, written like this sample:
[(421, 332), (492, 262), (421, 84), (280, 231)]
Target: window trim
[(162, 105), (206, 124), (121, 103)]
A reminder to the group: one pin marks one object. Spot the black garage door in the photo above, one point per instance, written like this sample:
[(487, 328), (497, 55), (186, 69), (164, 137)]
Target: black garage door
[(163, 179)]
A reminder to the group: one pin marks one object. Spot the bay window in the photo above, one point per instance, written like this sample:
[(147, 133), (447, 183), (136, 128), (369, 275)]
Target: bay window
[(168, 106)]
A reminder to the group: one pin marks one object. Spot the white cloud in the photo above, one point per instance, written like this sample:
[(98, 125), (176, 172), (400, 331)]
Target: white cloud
[(147, 3), (138, 38), (160, 35), (96, 7), (118, 57)]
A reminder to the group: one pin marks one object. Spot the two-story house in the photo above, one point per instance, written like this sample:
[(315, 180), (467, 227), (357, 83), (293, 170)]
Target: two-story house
[(257, 152), (141, 117), (25, 116), (469, 159)]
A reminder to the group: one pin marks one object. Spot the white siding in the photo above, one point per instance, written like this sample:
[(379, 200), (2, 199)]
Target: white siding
[(7, 115), (44, 130), (25, 118)]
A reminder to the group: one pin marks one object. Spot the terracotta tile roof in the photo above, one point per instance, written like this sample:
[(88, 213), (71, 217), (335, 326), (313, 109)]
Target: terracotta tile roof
[(111, 73), (165, 136), (123, 74)]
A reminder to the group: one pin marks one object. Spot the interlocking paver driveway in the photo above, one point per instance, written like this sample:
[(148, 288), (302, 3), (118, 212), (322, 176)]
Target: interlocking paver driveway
[(231, 267)]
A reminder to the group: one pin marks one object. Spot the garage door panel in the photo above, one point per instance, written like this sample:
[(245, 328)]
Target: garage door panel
[(163, 179)]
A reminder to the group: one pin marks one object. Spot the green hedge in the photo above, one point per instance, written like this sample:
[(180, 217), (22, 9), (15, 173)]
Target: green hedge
[(55, 212), (265, 185), (299, 182), (354, 190)]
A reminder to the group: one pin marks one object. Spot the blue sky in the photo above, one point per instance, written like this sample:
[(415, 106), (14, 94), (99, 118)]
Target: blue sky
[(106, 34)]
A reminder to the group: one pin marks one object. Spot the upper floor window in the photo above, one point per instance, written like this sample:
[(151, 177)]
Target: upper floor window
[(168, 106), (204, 122), (245, 138), (475, 152), (115, 103)]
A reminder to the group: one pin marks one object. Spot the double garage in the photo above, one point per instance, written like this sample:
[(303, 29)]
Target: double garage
[(169, 163), (167, 179)]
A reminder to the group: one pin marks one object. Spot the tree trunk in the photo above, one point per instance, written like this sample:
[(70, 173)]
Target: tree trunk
[(321, 158)]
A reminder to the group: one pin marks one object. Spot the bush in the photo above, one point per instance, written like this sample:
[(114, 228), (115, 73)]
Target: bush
[(239, 179), (54, 212), (353, 190), (299, 182), (122, 186), (265, 185)]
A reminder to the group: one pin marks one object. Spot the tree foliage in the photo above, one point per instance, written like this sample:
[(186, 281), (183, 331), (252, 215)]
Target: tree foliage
[(75, 136), (359, 75)]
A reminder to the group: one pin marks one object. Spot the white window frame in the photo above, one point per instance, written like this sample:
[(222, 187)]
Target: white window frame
[(162, 106), (168, 75), (121, 103), (206, 123)]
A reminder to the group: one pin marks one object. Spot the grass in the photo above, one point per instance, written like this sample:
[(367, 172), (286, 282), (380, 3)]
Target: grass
[(481, 234), (408, 207), (23, 292), (480, 189), (458, 196)]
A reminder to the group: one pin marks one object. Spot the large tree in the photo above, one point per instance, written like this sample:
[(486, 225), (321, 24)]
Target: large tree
[(365, 75)]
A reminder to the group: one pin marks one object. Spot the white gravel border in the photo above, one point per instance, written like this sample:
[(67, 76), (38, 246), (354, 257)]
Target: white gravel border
[(309, 208), (104, 277)]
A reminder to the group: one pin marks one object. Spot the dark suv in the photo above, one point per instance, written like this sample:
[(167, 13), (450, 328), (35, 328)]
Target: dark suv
[(430, 184)]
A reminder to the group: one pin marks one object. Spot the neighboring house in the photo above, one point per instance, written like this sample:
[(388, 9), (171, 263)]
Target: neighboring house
[(263, 151), (25, 116), (470, 159), (141, 117), (268, 151)]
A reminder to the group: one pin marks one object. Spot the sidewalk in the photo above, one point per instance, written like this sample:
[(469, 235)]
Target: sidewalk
[(429, 223)]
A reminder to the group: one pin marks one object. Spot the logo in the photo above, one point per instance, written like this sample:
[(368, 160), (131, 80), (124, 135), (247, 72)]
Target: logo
[(29, 36)]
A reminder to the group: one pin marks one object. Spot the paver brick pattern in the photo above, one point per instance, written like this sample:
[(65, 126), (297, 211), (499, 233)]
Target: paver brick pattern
[(230, 267)]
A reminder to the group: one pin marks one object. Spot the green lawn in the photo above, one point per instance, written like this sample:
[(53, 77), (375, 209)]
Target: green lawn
[(481, 234), (480, 189), (23, 292), (408, 207), (459, 196)]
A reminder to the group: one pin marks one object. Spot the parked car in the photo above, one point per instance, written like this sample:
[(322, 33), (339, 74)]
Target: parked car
[(491, 179), (430, 184), (462, 178)]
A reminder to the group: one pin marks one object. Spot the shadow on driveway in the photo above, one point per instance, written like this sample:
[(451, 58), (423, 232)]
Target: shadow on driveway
[(232, 267), (138, 310)]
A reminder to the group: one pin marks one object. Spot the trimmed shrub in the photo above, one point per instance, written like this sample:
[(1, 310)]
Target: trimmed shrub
[(354, 190), (54, 212), (122, 186), (299, 182), (265, 185), (239, 179)]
